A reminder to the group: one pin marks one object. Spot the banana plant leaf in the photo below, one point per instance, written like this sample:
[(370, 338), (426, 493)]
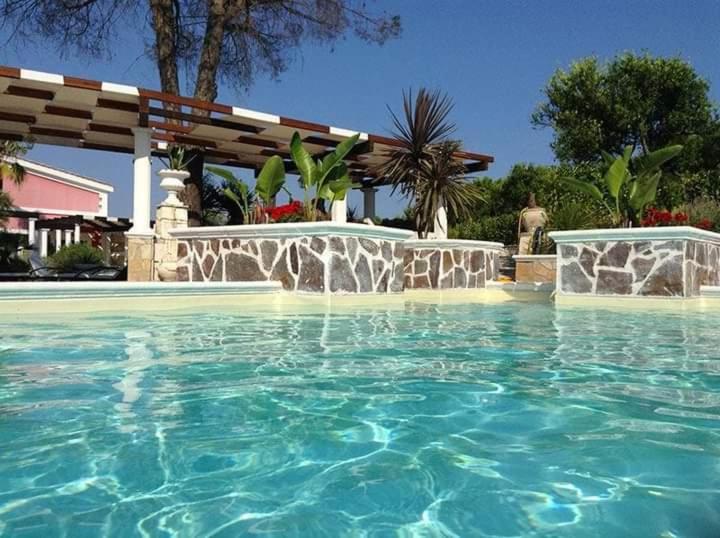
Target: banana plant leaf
[(304, 161), (271, 179), (654, 160), (616, 176), (583, 186), (644, 191)]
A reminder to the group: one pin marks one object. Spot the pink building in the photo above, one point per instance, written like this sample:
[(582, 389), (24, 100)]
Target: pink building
[(48, 193)]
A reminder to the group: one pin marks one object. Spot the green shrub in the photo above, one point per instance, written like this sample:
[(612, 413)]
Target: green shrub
[(70, 256), (500, 228), (702, 209)]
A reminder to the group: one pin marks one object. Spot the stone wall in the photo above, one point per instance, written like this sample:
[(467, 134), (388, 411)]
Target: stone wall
[(646, 268), (535, 268), (433, 266), (317, 264)]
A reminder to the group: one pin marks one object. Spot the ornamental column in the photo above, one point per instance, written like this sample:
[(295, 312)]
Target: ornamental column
[(369, 202), (31, 231), (140, 236), (44, 242), (338, 211)]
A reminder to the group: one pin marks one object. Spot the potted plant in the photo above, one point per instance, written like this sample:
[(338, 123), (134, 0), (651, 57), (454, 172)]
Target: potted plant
[(172, 178)]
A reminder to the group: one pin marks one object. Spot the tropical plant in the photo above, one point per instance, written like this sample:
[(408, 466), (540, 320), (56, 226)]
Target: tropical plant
[(443, 185), (176, 158), (627, 193), (270, 181), (71, 256), (424, 166), (326, 178)]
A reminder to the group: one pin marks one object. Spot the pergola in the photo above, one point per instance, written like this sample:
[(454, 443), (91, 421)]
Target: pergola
[(68, 111)]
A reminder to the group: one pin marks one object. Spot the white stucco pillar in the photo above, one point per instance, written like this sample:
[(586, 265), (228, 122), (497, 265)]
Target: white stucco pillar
[(440, 225), (68, 237), (338, 211), (369, 202), (31, 231), (142, 176), (44, 242), (76, 234), (58, 239)]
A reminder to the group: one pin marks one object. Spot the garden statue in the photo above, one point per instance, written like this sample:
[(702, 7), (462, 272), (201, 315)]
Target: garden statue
[(531, 219)]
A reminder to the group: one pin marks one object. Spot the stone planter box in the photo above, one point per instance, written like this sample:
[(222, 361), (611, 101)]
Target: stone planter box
[(450, 263), (535, 268), (637, 262), (315, 257)]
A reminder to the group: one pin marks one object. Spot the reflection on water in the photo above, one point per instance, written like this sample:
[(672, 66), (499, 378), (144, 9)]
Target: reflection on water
[(451, 420)]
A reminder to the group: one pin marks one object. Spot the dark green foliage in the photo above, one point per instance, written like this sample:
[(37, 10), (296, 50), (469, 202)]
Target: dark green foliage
[(500, 228), (633, 100), (70, 256)]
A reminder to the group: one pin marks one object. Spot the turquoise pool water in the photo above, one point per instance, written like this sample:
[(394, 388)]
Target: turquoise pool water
[(453, 420)]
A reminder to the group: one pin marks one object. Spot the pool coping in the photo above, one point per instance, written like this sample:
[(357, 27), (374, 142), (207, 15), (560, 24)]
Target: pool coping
[(14, 291)]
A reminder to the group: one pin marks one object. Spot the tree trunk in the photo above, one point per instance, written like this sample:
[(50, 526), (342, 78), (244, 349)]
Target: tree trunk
[(163, 17)]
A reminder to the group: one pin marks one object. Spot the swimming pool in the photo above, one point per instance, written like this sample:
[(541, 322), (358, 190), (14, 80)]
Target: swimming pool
[(406, 420)]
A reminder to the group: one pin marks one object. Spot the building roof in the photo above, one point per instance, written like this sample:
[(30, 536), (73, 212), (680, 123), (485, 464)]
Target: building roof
[(69, 111), (65, 176)]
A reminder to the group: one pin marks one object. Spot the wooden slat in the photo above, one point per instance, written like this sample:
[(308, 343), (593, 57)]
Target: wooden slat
[(320, 141), (60, 133), (170, 127), (11, 136), (194, 118), (17, 118), (117, 105), (105, 147), (273, 152), (385, 140), (110, 129), (253, 141), (83, 84), (9, 72), (30, 93), (68, 112), (478, 166), (473, 156), (185, 101), (305, 125)]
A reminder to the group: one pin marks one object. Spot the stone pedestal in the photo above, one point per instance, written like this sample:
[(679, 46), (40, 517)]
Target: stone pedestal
[(535, 268), (140, 257), (170, 216), (450, 264), (639, 262)]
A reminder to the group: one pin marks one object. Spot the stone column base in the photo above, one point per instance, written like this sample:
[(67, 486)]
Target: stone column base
[(140, 258)]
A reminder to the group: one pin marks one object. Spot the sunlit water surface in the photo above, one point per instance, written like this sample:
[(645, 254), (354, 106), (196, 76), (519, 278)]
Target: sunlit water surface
[(454, 420)]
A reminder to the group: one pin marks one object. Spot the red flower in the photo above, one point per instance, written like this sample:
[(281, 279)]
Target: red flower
[(278, 212), (680, 217), (705, 224)]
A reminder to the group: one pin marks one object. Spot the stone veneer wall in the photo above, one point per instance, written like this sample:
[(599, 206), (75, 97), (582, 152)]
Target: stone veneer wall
[(318, 264), (669, 268), (435, 267)]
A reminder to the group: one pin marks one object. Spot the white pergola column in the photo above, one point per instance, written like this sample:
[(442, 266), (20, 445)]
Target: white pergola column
[(338, 210), (31, 231), (142, 177), (44, 242), (68, 237), (76, 234), (369, 202), (58, 239), (440, 225)]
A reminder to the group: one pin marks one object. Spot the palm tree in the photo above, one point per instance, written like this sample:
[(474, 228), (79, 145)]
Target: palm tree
[(424, 166), (10, 169)]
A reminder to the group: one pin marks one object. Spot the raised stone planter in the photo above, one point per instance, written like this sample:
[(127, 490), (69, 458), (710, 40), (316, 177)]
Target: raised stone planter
[(535, 268), (316, 257), (637, 262), (450, 263)]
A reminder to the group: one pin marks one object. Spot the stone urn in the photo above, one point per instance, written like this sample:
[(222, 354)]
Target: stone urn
[(173, 181)]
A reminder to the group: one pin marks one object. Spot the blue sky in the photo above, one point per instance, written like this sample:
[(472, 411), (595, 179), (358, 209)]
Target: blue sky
[(492, 57)]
